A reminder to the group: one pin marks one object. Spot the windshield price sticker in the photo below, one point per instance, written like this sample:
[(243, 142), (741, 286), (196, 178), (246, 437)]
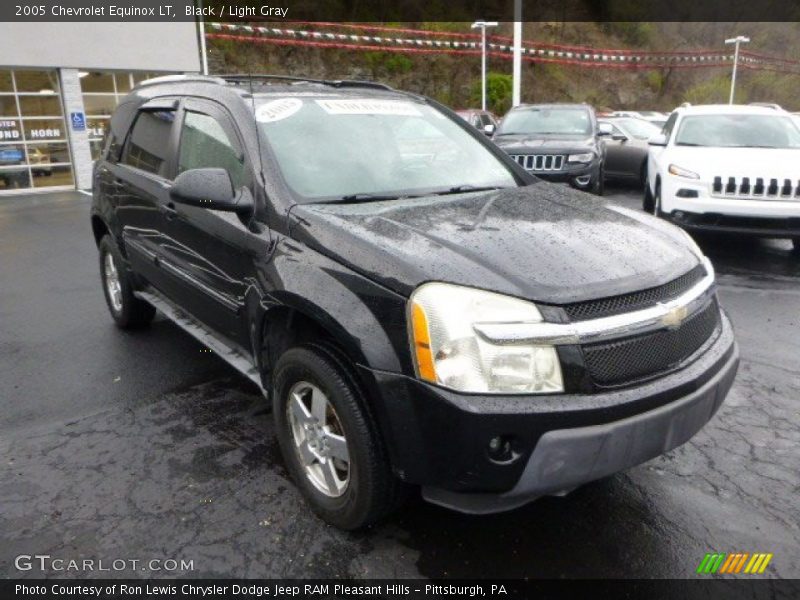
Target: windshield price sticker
[(276, 110), (369, 107)]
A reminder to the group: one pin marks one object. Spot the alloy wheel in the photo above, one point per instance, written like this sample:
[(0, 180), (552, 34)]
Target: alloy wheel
[(113, 287), (318, 439)]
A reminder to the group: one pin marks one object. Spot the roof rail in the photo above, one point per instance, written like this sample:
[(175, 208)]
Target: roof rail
[(240, 78), (181, 79), (771, 105)]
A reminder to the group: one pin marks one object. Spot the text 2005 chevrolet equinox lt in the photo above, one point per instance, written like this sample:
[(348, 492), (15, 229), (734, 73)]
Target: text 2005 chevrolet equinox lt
[(420, 310)]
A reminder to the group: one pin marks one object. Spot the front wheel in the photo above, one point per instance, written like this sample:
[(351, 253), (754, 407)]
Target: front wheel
[(647, 201), (126, 309), (329, 441), (656, 207), (599, 187)]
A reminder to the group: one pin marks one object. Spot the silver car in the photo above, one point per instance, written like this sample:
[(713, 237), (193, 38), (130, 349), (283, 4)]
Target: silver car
[(626, 148)]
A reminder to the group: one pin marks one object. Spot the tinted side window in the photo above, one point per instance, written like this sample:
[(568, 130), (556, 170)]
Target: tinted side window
[(148, 142), (204, 144)]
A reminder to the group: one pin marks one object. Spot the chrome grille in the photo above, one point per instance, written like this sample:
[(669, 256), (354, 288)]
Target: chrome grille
[(540, 162), (756, 187), (616, 305), (627, 361)]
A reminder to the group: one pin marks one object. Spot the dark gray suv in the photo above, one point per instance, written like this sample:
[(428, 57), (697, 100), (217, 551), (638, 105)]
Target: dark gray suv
[(557, 142)]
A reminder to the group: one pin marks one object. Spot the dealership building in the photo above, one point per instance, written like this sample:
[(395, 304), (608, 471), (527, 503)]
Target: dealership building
[(60, 82)]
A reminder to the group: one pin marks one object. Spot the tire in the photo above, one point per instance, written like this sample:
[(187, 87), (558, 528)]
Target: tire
[(647, 201), (656, 209), (599, 186), (126, 309), (349, 495), (796, 245), (643, 174)]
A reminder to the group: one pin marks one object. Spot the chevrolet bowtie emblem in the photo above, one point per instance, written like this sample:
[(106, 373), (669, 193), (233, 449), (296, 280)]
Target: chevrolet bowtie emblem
[(675, 317)]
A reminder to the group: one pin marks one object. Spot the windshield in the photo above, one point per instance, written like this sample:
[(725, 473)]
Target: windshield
[(569, 121), (642, 130), (738, 131), (334, 148)]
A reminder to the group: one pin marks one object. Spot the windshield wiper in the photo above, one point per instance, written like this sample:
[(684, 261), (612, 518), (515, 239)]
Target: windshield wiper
[(460, 189), (365, 197), (753, 146), (537, 133), (687, 144)]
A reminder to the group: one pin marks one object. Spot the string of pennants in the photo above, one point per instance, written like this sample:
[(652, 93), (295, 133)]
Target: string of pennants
[(468, 44)]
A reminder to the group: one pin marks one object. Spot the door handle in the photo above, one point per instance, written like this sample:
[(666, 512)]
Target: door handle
[(169, 210)]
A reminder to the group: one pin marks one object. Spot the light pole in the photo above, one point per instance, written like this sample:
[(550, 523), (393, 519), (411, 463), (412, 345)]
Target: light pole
[(516, 68), (483, 25), (739, 39), (201, 25)]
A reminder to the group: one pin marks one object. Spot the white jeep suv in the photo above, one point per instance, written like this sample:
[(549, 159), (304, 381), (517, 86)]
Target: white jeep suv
[(727, 168)]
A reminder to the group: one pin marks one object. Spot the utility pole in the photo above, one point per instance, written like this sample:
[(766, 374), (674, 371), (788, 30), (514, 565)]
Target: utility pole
[(740, 39), (517, 68), (201, 24), (482, 25)]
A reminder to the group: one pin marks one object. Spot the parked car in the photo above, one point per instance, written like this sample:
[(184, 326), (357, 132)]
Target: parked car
[(39, 161), (13, 171), (482, 120), (727, 168), (626, 148), (654, 116), (557, 142), (448, 322)]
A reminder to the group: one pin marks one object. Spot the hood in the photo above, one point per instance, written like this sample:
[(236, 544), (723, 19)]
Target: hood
[(767, 163), (541, 242), (530, 143)]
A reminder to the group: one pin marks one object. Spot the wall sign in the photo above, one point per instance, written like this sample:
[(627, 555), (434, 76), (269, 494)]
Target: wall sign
[(78, 120)]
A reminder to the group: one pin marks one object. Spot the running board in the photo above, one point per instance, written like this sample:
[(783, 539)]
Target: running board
[(199, 332)]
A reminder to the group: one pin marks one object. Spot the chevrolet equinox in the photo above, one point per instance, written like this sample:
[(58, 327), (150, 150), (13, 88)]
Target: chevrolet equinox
[(419, 309)]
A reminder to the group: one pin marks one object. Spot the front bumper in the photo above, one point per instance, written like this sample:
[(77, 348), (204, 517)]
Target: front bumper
[(440, 439), (754, 215), (579, 175), (788, 227)]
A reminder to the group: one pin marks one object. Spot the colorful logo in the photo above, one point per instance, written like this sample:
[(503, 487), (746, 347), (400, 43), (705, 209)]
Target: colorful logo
[(737, 562)]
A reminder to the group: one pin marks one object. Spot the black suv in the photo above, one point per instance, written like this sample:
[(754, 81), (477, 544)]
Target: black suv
[(419, 309), (557, 142)]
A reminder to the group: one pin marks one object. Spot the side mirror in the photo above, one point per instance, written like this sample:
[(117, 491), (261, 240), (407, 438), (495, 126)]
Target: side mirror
[(658, 140), (604, 129), (489, 129), (208, 188), (619, 137)]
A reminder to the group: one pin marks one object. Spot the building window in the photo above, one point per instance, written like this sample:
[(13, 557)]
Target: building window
[(33, 137), (101, 92)]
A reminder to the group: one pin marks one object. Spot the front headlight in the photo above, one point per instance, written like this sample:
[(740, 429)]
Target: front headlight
[(681, 172), (448, 351), (581, 158)]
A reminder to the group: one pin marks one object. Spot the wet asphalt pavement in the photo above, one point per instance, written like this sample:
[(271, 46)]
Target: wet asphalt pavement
[(142, 446)]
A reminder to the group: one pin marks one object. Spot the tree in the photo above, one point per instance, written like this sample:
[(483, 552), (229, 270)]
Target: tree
[(498, 92)]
